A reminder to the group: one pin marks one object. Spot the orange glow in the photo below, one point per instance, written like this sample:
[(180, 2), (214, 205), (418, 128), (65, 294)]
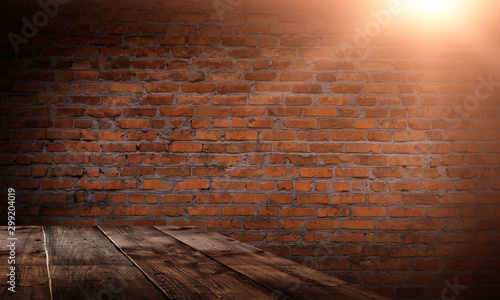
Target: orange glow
[(437, 18), (433, 12), (432, 8)]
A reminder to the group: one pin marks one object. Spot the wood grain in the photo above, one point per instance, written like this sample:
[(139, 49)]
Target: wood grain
[(84, 264), (32, 280), (157, 263), (181, 271), (291, 279)]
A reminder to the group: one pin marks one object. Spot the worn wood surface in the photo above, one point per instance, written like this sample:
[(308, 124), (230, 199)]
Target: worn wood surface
[(84, 264), (180, 270), (156, 263), (291, 279), (32, 278)]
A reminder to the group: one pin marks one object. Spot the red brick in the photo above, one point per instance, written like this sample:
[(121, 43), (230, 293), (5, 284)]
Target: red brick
[(260, 76), (226, 88), (335, 123), (300, 123), (203, 211), (57, 184), (296, 76), (244, 53), (369, 211), (391, 198), (352, 172), (325, 148), (152, 147), (58, 211), (302, 160), (306, 88), (157, 100), (322, 224), (399, 212), (406, 161), (261, 224), (122, 147), (170, 211), (212, 112), (313, 199), (192, 184), (358, 224), (242, 135), (63, 134), (297, 212), (94, 211), (134, 123), (278, 171), (244, 172), (348, 199), (309, 173), (434, 251), (441, 212), (131, 211), (162, 87), (249, 198), (393, 265), (185, 147), (119, 184)]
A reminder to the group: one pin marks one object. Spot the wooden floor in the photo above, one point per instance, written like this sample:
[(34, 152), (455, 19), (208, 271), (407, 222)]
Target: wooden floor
[(155, 263)]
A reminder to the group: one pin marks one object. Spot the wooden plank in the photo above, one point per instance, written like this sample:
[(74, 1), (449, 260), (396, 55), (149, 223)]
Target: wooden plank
[(293, 280), (181, 271), (32, 280), (84, 264)]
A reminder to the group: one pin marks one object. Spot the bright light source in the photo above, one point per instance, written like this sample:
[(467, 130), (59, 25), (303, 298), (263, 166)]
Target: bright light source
[(432, 8), (434, 15)]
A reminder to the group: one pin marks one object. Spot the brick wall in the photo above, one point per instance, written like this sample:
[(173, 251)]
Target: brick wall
[(377, 163)]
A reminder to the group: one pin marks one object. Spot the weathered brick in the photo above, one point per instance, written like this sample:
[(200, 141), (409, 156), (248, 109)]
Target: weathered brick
[(266, 126)]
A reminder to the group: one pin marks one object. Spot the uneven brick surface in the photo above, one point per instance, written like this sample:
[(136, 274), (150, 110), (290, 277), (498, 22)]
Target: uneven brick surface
[(255, 119)]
